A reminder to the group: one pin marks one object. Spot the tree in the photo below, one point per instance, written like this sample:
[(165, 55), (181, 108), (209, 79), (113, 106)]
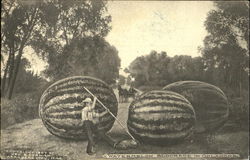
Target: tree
[(48, 26), (67, 21), (186, 68), (226, 47), (91, 56), (108, 64), (150, 69), (157, 69), (73, 41), (27, 81), (139, 70), (19, 21)]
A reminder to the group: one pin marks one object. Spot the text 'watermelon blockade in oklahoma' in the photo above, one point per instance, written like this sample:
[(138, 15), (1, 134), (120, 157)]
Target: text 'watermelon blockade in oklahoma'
[(61, 104), (160, 118)]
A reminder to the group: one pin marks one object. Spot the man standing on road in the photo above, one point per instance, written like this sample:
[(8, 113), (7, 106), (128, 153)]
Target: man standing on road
[(90, 118)]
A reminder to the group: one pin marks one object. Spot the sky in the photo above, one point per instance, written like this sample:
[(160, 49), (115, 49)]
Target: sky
[(138, 27)]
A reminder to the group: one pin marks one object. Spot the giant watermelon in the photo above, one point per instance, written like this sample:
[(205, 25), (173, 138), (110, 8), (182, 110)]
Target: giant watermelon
[(160, 118), (209, 102), (60, 106)]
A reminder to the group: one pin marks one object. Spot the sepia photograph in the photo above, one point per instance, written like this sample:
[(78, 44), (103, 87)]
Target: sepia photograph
[(124, 79)]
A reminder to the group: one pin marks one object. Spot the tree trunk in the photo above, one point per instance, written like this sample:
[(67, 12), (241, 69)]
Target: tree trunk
[(16, 62), (15, 72), (5, 77), (12, 62), (240, 86), (9, 72)]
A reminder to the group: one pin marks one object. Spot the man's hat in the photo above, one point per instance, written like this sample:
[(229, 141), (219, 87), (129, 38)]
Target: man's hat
[(87, 100)]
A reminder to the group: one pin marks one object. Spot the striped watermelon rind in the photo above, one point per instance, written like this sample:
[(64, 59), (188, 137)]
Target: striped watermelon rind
[(60, 106), (209, 102), (161, 118)]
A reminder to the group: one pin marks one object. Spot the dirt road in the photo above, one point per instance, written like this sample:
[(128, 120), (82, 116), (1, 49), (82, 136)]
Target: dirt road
[(33, 136)]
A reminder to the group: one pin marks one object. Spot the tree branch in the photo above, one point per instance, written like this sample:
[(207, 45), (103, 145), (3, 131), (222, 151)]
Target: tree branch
[(75, 28)]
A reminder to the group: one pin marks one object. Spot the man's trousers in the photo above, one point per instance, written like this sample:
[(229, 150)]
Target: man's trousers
[(91, 130)]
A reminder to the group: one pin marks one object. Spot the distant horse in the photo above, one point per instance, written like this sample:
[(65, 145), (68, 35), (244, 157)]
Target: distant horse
[(125, 94), (132, 92), (122, 94)]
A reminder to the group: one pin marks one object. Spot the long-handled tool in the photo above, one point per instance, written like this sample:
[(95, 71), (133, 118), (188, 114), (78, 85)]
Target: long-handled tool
[(111, 114)]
